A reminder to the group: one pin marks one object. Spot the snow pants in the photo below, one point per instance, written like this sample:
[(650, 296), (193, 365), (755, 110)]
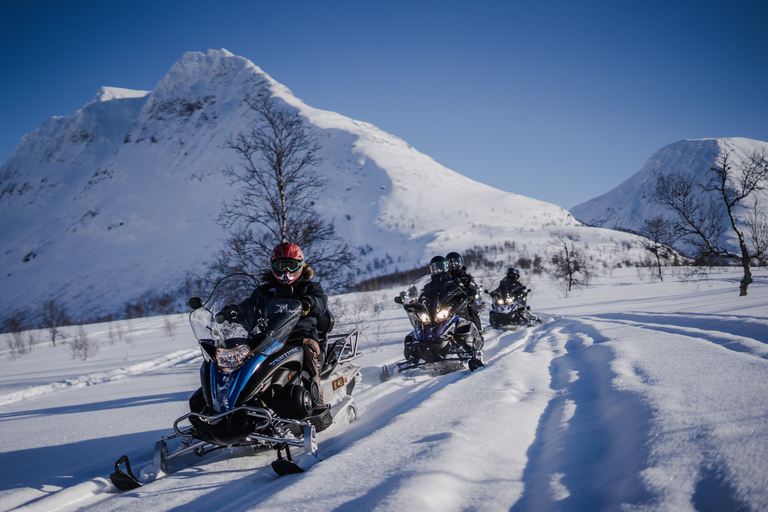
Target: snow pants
[(311, 355)]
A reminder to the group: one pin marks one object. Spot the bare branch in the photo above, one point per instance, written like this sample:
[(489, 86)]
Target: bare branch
[(701, 221), (277, 187)]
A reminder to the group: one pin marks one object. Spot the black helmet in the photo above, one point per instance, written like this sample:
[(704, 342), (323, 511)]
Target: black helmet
[(513, 273), (438, 265), (455, 261)]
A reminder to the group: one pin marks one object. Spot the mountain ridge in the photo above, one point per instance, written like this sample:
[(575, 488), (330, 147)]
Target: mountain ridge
[(630, 204), (121, 198)]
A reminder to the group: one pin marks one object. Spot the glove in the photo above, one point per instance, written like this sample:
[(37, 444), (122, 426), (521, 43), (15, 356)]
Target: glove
[(307, 304), (229, 314)]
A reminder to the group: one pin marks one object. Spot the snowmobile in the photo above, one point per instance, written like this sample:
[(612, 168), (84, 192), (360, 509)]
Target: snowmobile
[(510, 309), (255, 391), (443, 339)]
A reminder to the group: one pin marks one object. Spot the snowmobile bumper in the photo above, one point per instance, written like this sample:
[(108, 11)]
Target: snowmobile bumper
[(247, 425)]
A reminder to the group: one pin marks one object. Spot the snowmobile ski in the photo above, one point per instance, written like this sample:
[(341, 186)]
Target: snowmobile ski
[(285, 466), (443, 367)]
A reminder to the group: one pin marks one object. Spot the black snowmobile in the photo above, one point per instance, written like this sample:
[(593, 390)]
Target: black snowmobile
[(443, 339), (255, 391), (509, 308)]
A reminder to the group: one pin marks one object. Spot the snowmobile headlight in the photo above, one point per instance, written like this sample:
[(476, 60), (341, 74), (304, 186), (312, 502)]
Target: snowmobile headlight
[(442, 314), (510, 300), (228, 359), (424, 318), (500, 302)]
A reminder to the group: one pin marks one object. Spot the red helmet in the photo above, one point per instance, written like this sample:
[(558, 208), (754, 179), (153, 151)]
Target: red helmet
[(286, 262)]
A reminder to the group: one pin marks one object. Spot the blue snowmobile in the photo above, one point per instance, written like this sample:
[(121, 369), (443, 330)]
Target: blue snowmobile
[(255, 391), (443, 338)]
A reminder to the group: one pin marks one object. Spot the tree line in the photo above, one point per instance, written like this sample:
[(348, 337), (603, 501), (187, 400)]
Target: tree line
[(278, 187)]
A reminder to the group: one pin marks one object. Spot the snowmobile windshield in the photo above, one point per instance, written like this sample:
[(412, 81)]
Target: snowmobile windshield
[(509, 291), (433, 291), (258, 316)]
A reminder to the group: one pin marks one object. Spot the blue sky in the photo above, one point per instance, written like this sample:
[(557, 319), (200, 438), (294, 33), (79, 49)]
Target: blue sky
[(556, 100)]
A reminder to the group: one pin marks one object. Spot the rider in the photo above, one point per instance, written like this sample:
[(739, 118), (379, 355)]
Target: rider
[(459, 273), (511, 282), (289, 276), (439, 277), (438, 268)]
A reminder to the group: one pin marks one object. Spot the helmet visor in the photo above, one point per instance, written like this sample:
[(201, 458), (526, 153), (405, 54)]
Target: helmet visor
[(437, 267), (455, 263)]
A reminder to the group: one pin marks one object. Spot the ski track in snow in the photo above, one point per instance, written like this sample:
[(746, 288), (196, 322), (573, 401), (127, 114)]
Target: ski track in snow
[(738, 334), (580, 438), (601, 442), (91, 379)]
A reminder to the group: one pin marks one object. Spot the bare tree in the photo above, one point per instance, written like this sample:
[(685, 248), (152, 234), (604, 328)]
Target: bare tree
[(660, 233), (374, 310), (54, 317), (169, 327), (569, 264), (758, 233), (277, 189), (702, 219), (16, 325)]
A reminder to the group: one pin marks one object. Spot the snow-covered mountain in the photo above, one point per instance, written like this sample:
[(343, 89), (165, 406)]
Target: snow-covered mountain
[(120, 199), (630, 204)]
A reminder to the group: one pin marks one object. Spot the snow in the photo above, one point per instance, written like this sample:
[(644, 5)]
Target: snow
[(116, 93), (631, 395)]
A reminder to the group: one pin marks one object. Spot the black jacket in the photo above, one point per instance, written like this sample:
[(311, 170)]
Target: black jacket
[(303, 289), (512, 285), (465, 281)]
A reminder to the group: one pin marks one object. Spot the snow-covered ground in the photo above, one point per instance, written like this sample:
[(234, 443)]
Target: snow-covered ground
[(631, 395)]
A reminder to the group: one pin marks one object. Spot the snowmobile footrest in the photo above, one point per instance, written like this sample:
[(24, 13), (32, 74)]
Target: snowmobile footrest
[(321, 419), (124, 481), (285, 466)]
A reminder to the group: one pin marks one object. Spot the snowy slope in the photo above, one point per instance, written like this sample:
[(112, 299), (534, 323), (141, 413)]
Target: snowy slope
[(120, 199), (632, 395), (630, 204)]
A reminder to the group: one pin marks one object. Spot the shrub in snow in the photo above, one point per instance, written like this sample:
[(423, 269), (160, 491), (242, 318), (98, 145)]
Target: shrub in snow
[(82, 346)]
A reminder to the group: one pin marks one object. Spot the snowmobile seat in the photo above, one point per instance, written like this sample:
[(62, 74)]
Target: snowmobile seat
[(325, 323)]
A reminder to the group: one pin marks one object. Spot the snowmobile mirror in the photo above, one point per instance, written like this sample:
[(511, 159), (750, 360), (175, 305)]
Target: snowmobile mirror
[(399, 299), (196, 303)]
